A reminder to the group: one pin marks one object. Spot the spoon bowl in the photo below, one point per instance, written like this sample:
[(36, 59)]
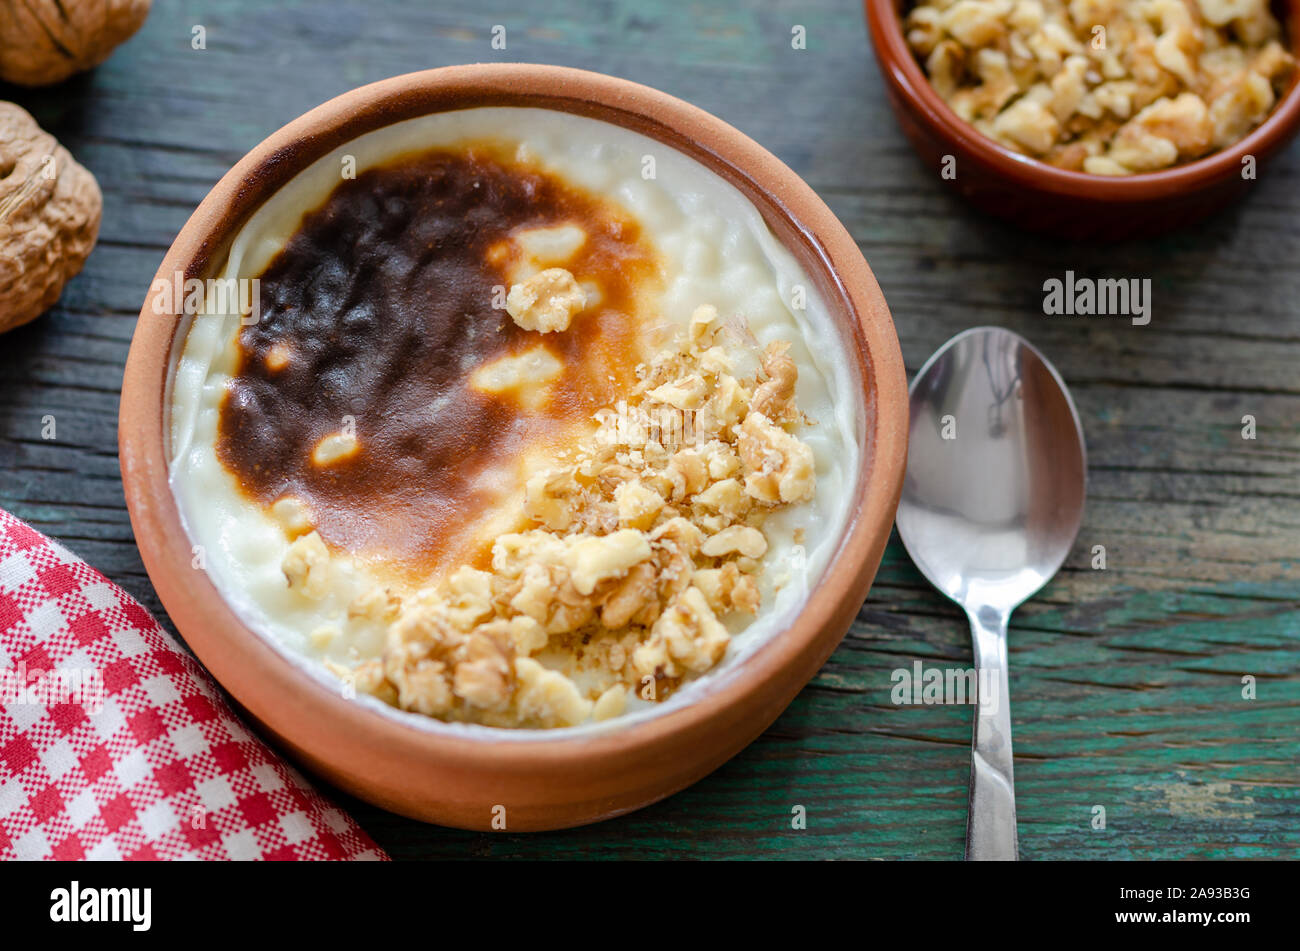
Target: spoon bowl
[(991, 506)]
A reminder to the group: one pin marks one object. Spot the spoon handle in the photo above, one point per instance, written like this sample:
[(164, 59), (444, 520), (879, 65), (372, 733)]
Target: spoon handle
[(991, 821)]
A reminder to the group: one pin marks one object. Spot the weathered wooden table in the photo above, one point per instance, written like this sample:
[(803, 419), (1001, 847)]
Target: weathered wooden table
[(1127, 681)]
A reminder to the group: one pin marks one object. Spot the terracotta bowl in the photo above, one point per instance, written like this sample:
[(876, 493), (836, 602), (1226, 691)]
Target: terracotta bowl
[(1056, 201), (425, 770)]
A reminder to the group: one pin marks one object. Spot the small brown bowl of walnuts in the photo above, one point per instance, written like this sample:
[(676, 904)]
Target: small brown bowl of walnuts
[(1093, 118)]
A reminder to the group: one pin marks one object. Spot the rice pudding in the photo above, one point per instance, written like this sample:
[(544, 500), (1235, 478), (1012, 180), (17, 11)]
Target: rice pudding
[(537, 424)]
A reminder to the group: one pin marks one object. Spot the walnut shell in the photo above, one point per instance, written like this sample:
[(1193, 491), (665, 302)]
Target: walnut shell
[(46, 41), (49, 217)]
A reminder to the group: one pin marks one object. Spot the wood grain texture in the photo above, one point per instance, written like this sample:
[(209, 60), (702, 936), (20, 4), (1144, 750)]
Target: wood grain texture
[(1126, 683)]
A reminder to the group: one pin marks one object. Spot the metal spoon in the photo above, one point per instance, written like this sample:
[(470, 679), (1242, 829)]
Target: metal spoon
[(991, 505)]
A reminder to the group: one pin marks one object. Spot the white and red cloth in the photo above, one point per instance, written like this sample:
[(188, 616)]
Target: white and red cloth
[(116, 744)]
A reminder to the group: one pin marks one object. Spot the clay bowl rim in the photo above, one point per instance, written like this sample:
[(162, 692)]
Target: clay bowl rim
[(904, 73), (190, 596)]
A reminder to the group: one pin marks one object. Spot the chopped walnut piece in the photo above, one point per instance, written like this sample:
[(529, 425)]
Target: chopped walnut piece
[(744, 594), (535, 594), (685, 393), (547, 499), (594, 559), (523, 633), (778, 467), (774, 397), (716, 362), (1241, 107), (485, 677), (687, 472), (1029, 124), (721, 460), (679, 534), (306, 566), (422, 687), (638, 506), (686, 638), (548, 697), (725, 408), (726, 497), (728, 589), (975, 22), (377, 604), (630, 597), (571, 609), (738, 539), (369, 678), (1184, 121), (513, 553), (469, 597), (703, 318), (547, 301)]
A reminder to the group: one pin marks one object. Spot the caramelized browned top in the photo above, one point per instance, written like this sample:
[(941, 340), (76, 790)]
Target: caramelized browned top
[(384, 301)]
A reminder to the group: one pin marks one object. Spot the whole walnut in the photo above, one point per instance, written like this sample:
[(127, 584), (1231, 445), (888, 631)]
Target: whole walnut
[(49, 217), (46, 41)]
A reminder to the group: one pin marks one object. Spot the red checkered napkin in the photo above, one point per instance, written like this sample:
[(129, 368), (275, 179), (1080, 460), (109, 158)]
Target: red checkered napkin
[(115, 744)]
